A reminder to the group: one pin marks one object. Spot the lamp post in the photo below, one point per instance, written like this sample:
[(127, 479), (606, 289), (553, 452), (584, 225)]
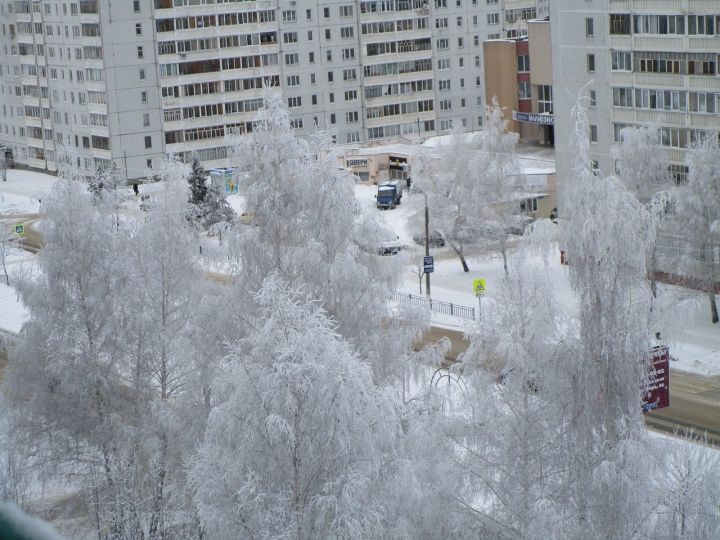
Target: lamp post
[(427, 243)]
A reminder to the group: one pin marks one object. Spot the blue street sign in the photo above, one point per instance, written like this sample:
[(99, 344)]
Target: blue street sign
[(429, 264)]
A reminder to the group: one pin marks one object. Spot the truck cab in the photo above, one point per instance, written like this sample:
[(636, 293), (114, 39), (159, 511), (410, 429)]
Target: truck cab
[(389, 194)]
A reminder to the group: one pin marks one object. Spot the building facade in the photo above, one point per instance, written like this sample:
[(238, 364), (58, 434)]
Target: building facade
[(637, 62), (124, 83)]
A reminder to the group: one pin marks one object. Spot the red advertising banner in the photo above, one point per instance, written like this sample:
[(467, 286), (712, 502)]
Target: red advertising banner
[(657, 392)]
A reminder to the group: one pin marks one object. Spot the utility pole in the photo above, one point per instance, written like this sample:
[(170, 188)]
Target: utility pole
[(427, 243)]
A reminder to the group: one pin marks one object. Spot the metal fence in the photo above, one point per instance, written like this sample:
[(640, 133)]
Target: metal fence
[(446, 308)]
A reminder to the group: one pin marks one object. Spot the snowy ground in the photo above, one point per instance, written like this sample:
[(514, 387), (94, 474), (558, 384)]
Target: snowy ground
[(22, 192), (694, 342)]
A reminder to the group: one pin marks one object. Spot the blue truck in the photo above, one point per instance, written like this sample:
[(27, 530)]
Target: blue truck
[(389, 194)]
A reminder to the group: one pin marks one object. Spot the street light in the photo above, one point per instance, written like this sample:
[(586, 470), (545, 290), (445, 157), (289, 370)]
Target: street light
[(427, 242)]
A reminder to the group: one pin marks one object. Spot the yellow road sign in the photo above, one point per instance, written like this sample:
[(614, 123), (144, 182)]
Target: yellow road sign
[(479, 286)]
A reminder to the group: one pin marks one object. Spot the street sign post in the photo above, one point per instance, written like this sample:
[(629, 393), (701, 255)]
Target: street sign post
[(479, 288), (20, 229), (429, 264), (657, 393)]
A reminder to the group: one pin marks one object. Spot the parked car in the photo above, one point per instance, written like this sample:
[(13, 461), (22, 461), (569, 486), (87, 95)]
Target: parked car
[(437, 239)]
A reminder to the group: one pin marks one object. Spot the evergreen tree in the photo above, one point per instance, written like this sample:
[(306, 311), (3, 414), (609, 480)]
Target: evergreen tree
[(196, 180), (215, 209)]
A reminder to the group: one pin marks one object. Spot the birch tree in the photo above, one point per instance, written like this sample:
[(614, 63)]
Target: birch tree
[(698, 216), (642, 168), (605, 234), (300, 438), (470, 186), (306, 228)]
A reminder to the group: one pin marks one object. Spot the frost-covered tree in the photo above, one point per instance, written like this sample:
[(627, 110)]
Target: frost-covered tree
[(642, 161), (300, 438), (217, 214), (642, 168), (470, 186), (305, 227), (107, 371), (606, 233), (197, 181), (689, 485), (9, 244), (698, 217), (507, 432)]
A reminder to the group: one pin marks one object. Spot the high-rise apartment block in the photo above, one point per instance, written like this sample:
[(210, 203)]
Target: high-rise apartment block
[(131, 80), (640, 61)]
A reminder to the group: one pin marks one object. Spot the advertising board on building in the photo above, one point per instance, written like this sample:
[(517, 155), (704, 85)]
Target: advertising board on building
[(657, 392), (357, 163), (530, 118)]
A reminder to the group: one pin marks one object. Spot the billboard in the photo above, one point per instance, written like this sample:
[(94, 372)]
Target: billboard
[(657, 392)]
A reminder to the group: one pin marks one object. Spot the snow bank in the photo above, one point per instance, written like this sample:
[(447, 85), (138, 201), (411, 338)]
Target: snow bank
[(23, 191)]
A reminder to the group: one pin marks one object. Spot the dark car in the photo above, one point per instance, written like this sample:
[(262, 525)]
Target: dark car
[(437, 239)]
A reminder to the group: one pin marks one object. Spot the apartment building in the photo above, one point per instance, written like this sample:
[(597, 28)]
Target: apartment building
[(639, 61), (126, 82), (518, 74)]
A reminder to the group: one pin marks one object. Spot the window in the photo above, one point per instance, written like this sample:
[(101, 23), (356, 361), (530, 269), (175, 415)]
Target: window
[(443, 63), (142, 74), (293, 80), (589, 26), (308, 14), (523, 62), (138, 29), (659, 24), (136, 6), (347, 32), (331, 77), (620, 24), (349, 74), (524, 90), (148, 141), (351, 117), (593, 98), (290, 37), (440, 3), (327, 34), (346, 11), (594, 165), (441, 22), (701, 25), (310, 35), (294, 102), (331, 96), (545, 104), (351, 95), (621, 61), (477, 61), (326, 12), (292, 59), (461, 43), (591, 63), (622, 97), (328, 55), (442, 44), (140, 53), (312, 78), (348, 54), (493, 18), (146, 119), (593, 134), (445, 104), (444, 84), (311, 57), (288, 15), (332, 118)]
